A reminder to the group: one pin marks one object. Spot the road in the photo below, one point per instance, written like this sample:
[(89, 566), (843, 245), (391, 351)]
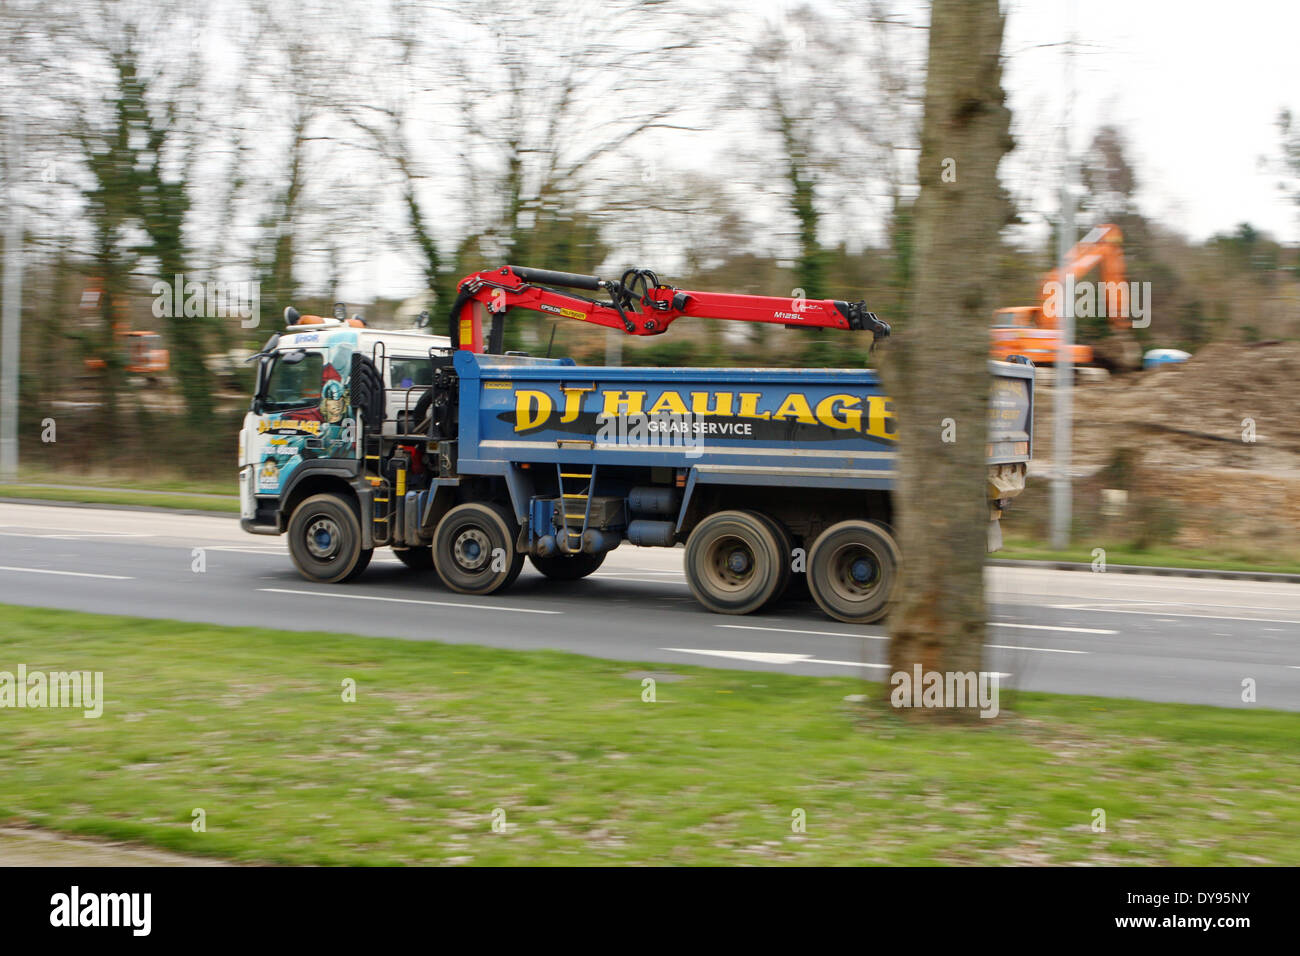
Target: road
[(1147, 637)]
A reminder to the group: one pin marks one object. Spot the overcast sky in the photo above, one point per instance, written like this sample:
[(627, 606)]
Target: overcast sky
[(1195, 85)]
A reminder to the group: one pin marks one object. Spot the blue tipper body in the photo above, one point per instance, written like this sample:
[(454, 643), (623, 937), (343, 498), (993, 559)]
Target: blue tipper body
[(827, 428)]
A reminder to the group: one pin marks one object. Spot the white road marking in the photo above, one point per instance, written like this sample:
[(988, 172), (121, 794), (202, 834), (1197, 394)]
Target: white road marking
[(1171, 614), (779, 657), (885, 637), (771, 657), (72, 574), (234, 550), (626, 577), (391, 600), (791, 630), (1052, 627), (763, 657), (66, 535), (1045, 650), (818, 660)]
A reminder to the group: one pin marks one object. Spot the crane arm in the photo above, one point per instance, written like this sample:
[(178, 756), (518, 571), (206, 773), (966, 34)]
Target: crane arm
[(638, 303)]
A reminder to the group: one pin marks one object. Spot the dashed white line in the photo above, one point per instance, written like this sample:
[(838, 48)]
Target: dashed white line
[(71, 574), (392, 600), (885, 637), (1045, 650), (1209, 617), (1052, 627), (791, 630), (771, 657)]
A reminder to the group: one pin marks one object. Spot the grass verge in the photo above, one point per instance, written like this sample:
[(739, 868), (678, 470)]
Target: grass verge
[(115, 496), (1160, 556), (250, 726)]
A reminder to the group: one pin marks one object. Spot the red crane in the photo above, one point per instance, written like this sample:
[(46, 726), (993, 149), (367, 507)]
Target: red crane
[(638, 303)]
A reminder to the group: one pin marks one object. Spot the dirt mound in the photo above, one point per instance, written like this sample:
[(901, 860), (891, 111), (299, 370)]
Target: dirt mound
[(1230, 406), (1209, 450)]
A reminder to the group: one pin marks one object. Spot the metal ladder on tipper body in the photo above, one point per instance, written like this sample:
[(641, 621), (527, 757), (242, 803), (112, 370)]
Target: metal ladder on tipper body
[(572, 540), (381, 515)]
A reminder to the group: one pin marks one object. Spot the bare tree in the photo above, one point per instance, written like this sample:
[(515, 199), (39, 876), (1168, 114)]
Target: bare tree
[(941, 367)]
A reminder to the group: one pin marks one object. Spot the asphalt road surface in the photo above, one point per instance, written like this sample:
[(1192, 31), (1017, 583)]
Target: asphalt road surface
[(1114, 635)]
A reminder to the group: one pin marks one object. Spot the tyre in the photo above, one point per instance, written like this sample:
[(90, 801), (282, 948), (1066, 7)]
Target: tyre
[(474, 549), (563, 567), (417, 559), (784, 546), (853, 570), (734, 564), (325, 540)]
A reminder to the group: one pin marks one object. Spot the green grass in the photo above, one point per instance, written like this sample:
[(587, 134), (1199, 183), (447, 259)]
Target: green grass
[(1169, 556), (249, 725), (228, 484), (113, 496)]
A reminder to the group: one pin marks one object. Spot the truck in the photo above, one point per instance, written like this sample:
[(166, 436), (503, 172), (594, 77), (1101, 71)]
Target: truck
[(470, 461)]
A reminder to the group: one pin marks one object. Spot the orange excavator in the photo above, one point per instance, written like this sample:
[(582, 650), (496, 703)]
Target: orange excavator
[(1034, 330), (142, 351)]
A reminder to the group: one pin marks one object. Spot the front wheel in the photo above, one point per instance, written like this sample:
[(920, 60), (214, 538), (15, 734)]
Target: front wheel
[(474, 549), (853, 570), (564, 567), (325, 540)]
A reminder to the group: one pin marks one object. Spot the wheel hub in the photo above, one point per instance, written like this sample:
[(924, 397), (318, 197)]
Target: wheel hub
[(323, 538), (471, 549), (731, 563), (855, 572), (862, 570)]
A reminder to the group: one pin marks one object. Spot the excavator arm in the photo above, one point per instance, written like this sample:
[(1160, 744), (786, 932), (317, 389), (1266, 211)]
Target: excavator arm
[(1102, 249), (638, 303)]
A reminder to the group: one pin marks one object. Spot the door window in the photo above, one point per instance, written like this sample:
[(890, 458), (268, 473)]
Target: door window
[(294, 385)]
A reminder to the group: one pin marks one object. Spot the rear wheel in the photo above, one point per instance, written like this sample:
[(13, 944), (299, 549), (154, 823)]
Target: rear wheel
[(564, 567), (474, 549), (417, 559), (325, 540), (734, 563), (852, 571)]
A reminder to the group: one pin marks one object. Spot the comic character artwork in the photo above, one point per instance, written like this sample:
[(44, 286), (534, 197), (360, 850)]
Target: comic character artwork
[(322, 429)]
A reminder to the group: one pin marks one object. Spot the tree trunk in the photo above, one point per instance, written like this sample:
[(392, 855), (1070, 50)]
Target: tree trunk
[(942, 377)]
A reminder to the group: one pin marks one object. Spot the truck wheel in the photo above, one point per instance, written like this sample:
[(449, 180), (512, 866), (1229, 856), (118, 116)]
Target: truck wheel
[(325, 540), (734, 564), (852, 571), (563, 567), (474, 549), (785, 547), (417, 559)]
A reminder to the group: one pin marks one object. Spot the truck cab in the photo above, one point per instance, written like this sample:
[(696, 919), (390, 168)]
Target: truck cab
[(302, 424)]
